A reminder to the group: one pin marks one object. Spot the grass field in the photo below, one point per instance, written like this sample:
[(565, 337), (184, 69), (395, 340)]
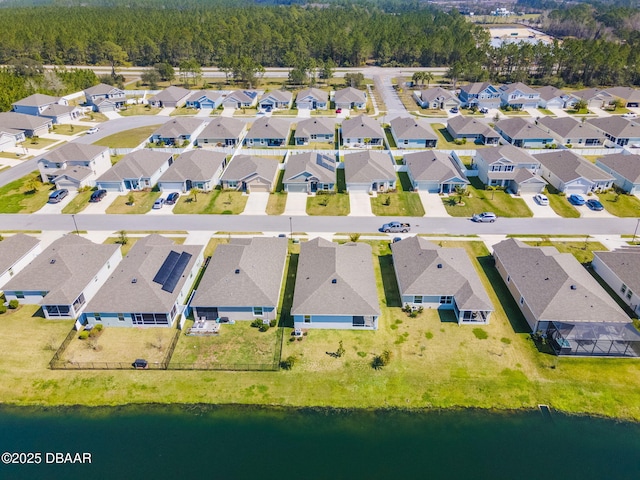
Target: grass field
[(560, 204), (143, 202), (446, 142), (277, 203), (129, 138), (69, 129), (583, 251), (498, 202), (134, 110), (216, 201), (337, 204), (621, 205), (403, 203), (17, 197), (78, 203)]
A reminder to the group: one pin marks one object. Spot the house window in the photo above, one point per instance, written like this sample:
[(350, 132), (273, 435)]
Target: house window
[(417, 299), (121, 317), (406, 142), (623, 288), (629, 294), (11, 272), (19, 294), (521, 300), (446, 300), (232, 184), (95, 279), (307, 319), (257, 311), (79, 302), (97, 317), (314, 137), (508, 278)]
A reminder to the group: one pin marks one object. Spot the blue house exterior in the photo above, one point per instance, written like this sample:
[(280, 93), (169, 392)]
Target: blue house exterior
[(204, 99), (480, 94), (521, 133)]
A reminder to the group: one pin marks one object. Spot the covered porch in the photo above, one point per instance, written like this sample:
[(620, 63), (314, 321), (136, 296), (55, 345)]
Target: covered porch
[(594, 339)]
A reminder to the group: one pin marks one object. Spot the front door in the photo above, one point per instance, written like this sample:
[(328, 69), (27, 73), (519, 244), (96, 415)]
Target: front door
[(189, 185)]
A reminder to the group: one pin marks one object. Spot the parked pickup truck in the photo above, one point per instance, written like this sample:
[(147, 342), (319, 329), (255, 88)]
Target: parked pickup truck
[(395, 227)]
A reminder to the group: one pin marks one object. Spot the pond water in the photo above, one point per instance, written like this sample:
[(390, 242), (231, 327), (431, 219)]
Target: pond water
[(236, 443)]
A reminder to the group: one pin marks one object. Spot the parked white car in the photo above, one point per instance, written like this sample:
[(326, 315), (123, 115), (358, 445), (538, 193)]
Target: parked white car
[(541, 199), (630, 115), (93, 130)]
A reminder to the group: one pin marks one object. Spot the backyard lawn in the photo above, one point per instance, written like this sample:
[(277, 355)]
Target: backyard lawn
[(277, 203), (498, 202), (446, 142), (216, 202), (78, 203), (143, 202), (19, 196), (129, 138), (337, 204), (621, 205), (583, 251)]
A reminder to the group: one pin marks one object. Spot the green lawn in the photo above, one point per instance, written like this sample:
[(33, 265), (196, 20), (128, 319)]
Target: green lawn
[(40, 143), (560, 204), (69, 129), (184, 111), (546, 112), (498, 202), (216, 202), (583, 251), (403, 203), (16, 198), (390, 139), (134, 110), (143, 202), (94, 117), (621, 205), (78, 203), (446, 142), (277, 203), (337, 204), (129, 138)]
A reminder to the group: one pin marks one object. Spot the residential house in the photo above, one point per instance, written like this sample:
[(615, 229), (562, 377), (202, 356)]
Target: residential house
[(149, 287), (65, 276), (618, 130), (349, 98), (562, 302), (55, 108), (434, 172), (248, 173), (178, 131), (552, 97), (430, 277), (170, 97), (222, 132), (522, 133), (105, 98), (629, 96), (571, 132), (625, 170), (312, 99), (276, 100), (570, 173), (241, 99), (479, 94), (411, 133), (335, 287), (243, 280), (10, 137), (620, 269), (509, 167), (315, 130), (199, 169), (309, 172), (518, 95), (436, 98), (74, 165), (268, 132), (468, 128), (362, 131), (16, 252), (369, 171), (136, 171), (594, 97), (31, 125), (204, 99)]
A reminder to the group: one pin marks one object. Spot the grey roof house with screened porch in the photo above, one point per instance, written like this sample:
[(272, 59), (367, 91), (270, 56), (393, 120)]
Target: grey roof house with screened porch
[(65, 276), (439, 278), (620, 269), (314, 130), (562, 302), (434, 172), (149, 286), (136, 171), (222, 132), (199, 169), (309, 172), (369, 171), (335, 287), (243, 280), (625, 170)]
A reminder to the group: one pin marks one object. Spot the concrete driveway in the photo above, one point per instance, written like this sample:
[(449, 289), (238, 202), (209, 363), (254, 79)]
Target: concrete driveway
[(534, 112), (600, 112), (539, 211), (57, 207), (433, 206), (360, 204), (586, 212), (227, 112), (256, 204), (102, 205), (304, 113), (296, 204), (559, 112)]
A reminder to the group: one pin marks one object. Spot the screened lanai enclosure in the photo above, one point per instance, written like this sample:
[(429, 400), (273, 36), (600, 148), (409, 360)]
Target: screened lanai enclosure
[(594, 339)]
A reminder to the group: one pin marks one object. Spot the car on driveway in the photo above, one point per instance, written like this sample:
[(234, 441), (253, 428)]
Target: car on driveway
[(172, 198), (576, 199), (484, 217), (541, 199), (158, 203), (484, 110), (58, 195), (595, 205), (98, 195), (338, 110), (454, 110), (93, 130)]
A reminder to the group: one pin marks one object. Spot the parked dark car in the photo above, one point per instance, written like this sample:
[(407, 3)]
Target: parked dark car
[(172, 198), (140, 364), (58, 195), (97, 195), (595, 205)]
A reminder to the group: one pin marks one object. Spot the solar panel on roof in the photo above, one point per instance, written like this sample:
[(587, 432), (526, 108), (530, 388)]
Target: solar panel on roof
[(176, 272), (250, 94), (166, 268)]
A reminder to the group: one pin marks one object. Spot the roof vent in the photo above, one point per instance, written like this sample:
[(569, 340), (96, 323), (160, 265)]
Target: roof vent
[(439, 265), (52, 261), (573, 287), (134, 280), (237, 271), (334, 281)]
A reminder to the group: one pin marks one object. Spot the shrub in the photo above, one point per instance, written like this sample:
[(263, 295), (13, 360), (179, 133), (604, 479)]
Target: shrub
[(13, 304), (264, 327), (84, 335), (257, 323), (3, 308), (273, 323), (98, 327), (288, 363), (354, 237)]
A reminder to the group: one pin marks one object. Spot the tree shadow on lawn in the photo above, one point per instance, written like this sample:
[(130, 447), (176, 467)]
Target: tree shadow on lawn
[(389, 283), (513, 313), (286, 320), (447, 316)]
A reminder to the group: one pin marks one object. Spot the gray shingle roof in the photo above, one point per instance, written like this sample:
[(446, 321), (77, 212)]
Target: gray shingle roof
[(521, 87), (195, 165), (242, 167), (549, 92), (178, 127), (269, 127), (120, 295), (36, 100), (317, 164), (545, 278), (412, 129), (462, 125), (350, 264), (506, 154), (319, 95), (590, 93), (361, 127), (243, 96), (349, 94), (75, 172), (13, 248), (625, 264), (138, 164), (617, 126), (423, 268), (22, 121), (259, 263), (315, 126), (223, 128), (63, 269), (368, 166), (100, 89), (567, 127), (475, 88), (171, 94), (56, 109), (278, 95), (568, 166), (626, 165), (78, 152), (430, 165), (436, 93), (627, 93), (519, 128), (200, 94)]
